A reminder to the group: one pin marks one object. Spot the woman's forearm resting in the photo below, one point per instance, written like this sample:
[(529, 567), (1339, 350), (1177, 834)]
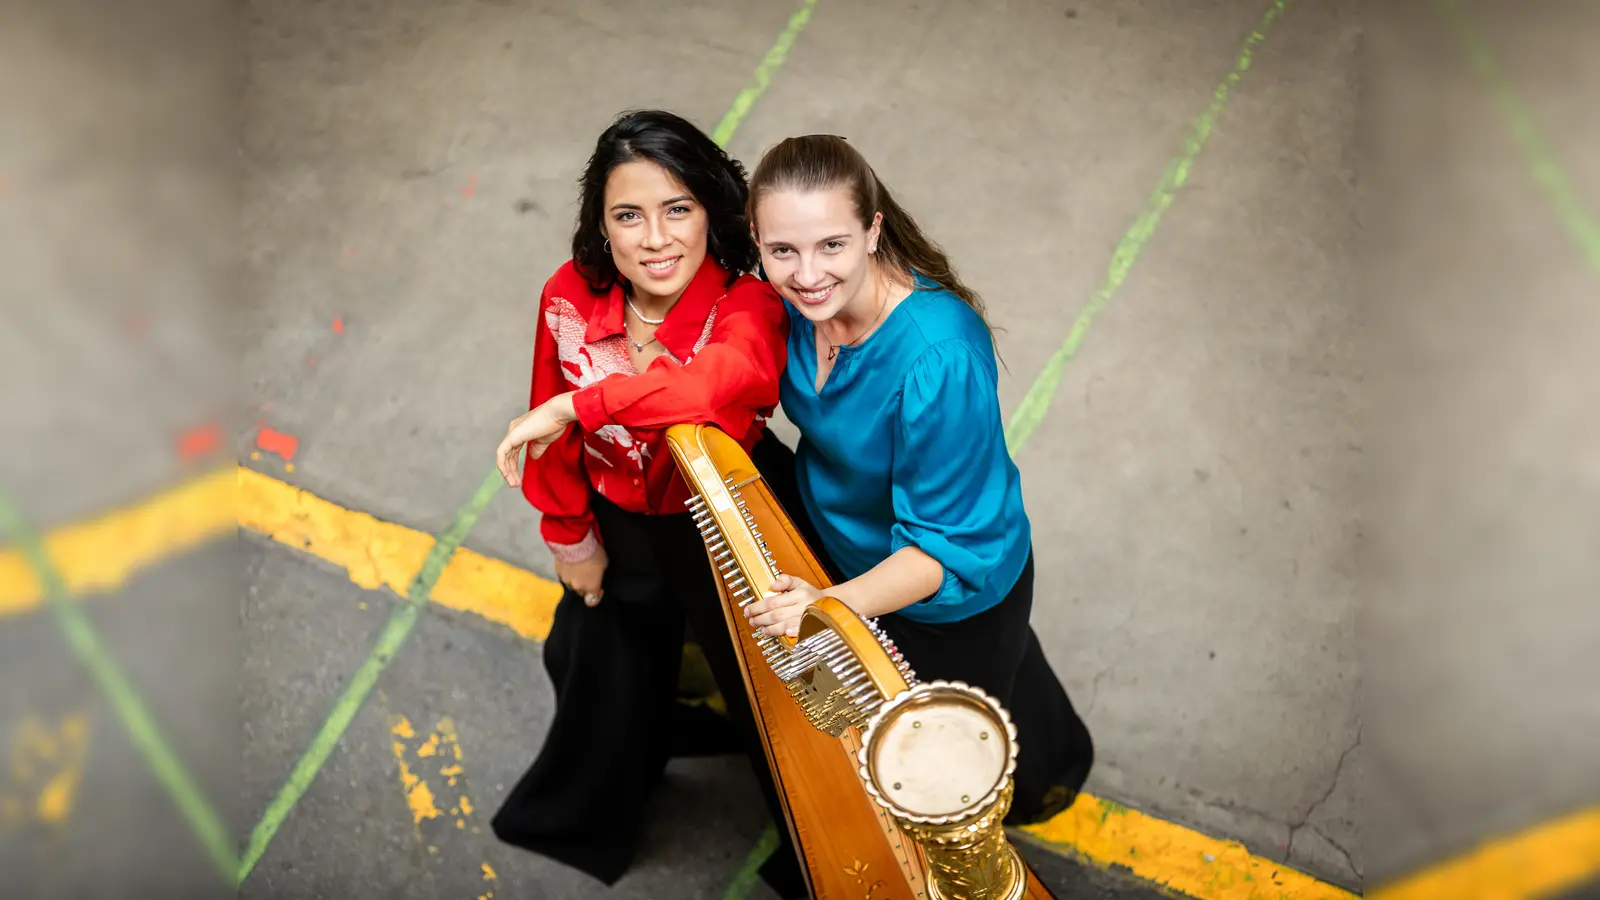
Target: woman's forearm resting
[(906, 577)]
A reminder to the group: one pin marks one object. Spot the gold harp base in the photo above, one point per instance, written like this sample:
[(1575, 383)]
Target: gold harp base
[(971, 859), (1017, 878)]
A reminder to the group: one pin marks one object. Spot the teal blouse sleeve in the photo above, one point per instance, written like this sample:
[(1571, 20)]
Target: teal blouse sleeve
[(949, 475)]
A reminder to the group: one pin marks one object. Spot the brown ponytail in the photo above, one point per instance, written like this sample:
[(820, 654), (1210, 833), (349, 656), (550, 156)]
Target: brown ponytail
[(824, 161)]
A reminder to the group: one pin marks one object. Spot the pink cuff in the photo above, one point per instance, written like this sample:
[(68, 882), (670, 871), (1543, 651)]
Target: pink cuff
[(575, 553)]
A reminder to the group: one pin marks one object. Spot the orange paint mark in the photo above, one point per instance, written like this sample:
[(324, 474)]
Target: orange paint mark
[(418, 795), (489, 876), (472, 185), (200, 441), (277, 442), (338, 325), (137, 326), (349, 251), (311, 360), (47, 765)]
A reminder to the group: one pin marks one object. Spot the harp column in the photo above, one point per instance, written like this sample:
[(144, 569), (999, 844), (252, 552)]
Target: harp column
[(939, 758)]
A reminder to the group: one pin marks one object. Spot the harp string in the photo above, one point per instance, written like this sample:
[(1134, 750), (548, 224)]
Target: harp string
[(821, 672)]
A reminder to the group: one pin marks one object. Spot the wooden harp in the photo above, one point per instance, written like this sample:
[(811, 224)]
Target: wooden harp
[(892, 789)]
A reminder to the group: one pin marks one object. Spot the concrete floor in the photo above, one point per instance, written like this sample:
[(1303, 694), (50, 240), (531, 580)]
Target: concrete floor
[(1196, 545), (1479, 663), (355, 835), (118, 833), (240, 731), (1350, 364)]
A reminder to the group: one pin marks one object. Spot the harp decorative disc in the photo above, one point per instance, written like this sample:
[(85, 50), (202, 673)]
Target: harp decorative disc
[(892, 789)]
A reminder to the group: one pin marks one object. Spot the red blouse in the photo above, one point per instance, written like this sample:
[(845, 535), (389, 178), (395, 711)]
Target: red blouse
[(724, 352)]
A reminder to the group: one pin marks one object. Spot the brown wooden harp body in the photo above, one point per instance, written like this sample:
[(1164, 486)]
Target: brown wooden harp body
[(892, 789)]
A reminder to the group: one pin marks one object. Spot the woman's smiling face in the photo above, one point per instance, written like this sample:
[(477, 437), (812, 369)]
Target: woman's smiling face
[(656, 227), (815, 250)]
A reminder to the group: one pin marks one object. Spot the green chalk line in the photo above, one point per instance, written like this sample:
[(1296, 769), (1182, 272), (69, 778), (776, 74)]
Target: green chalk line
[(770, 64), (1036, 403), (394, 634), (141, 725), (405, 617), (744, 881), (1583, 227)]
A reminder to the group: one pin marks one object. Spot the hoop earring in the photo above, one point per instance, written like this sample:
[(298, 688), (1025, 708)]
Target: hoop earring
[(608, 245)]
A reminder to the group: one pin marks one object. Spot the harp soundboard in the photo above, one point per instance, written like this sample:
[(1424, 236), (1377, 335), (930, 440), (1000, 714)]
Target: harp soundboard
[(893, 789)]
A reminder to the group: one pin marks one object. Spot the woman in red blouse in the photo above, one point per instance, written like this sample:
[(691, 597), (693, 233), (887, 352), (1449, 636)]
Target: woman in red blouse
[(654, 321)]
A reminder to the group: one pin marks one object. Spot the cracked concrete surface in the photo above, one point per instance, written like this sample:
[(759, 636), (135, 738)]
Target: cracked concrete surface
[(1342, 821)]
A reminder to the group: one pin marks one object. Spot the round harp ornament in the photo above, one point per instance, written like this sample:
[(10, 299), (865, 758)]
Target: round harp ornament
[(939, 758)]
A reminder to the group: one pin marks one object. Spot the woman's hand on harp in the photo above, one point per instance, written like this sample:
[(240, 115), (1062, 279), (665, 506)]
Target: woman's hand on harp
[(778, 613), (538, 428)]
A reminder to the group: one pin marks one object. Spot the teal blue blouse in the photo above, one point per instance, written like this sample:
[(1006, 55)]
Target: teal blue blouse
[(904, 445)]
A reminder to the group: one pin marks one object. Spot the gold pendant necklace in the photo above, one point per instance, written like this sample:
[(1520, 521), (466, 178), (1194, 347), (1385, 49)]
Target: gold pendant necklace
[(833, 349)]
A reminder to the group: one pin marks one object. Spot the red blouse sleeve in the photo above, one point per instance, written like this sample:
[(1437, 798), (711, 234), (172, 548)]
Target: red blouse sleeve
[(728, 383), (557, 483)]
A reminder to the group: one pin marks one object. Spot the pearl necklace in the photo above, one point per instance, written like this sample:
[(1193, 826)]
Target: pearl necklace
[(642, 317), (638, 347)]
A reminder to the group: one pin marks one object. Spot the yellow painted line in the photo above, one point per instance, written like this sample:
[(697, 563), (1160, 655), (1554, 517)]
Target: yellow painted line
[(373, 553), (382, 554), (99, 555), (1540, 862), (1108, 833), (501, 593), (498, 592)]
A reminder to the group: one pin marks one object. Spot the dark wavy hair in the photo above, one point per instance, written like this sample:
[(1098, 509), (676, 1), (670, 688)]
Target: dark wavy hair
[(716, 180)]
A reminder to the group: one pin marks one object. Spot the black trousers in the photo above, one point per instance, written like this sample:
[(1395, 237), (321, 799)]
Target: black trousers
[(998, 652), (615, 667), (615, 672)]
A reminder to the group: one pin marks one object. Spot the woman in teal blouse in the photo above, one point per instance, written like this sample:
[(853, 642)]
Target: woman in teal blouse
[(903, 481), (902, 461)]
